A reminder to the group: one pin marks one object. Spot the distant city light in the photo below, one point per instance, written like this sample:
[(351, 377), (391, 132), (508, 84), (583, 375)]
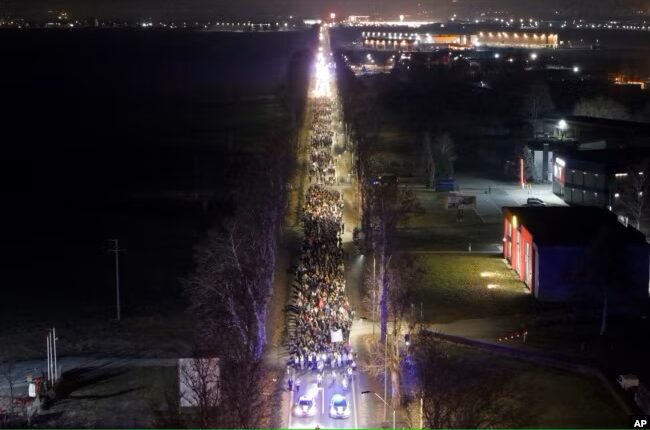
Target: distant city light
[(533, 56), (576, 69)]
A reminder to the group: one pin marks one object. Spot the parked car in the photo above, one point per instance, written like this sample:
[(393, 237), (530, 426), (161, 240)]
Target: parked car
[(534, 201), (628, 381)]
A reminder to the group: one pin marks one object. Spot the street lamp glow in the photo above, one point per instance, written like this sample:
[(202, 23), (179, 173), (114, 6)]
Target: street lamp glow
[(533, 56), (576, 69), (562, 125)]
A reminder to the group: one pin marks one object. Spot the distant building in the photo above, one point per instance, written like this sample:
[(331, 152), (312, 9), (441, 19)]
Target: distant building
[(513, 39), (570, 253), (590, 178), (607, 133), (412, 41)]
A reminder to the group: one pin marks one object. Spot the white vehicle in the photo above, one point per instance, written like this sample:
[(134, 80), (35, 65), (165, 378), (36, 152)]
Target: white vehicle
[(339, 407), (628, 381), (306, 407)]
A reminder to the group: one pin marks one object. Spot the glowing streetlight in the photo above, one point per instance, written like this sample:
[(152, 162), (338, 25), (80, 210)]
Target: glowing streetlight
[(576, 69), (533, 56)]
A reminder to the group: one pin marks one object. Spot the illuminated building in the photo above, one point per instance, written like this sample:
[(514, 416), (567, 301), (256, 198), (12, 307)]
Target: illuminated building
[(428, 41), (554, 250)]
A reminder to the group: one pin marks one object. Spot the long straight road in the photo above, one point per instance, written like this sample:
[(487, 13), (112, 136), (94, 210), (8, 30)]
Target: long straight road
[(336, 178)]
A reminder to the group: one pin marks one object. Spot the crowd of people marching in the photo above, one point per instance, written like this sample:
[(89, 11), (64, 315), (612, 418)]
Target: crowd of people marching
[(321, 306), (322, 169)]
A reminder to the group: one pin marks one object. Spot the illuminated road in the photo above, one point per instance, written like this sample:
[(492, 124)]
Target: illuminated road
[(323, 397), (323, 85)]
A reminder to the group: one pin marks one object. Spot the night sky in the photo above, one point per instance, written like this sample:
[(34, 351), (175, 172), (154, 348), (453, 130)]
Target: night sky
[(166, 9)]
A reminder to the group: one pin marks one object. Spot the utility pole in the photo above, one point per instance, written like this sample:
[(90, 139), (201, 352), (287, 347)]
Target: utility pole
[(52, 371), (116, 250), (56, 370)]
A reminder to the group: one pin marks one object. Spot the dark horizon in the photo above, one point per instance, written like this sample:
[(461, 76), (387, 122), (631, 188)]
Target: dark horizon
[(258, 9)]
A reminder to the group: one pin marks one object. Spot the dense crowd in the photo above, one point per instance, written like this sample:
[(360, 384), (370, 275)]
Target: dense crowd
[(321, 306), (322, 169)]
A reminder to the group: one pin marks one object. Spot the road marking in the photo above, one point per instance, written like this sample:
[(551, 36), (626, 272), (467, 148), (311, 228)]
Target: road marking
[(354, 403), (322, 397)]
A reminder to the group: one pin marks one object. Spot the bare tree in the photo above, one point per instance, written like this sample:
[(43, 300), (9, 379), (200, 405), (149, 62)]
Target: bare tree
[(601, 107), (387, 356), (201, 389), (387, 205), (444, 152), (428, 161), (462, 393), (529, 163), (538, 102), (8, 375), (246, 390), (633, 191)]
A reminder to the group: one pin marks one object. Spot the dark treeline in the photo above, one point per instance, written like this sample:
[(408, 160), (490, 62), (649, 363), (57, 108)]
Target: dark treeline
[(230, 289)]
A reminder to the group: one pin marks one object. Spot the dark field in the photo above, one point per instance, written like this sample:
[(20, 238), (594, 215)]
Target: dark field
[(135, 135)]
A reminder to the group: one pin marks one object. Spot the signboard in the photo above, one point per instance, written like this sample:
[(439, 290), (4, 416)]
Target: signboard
[(460, 201), (337, 336), (198, 380)]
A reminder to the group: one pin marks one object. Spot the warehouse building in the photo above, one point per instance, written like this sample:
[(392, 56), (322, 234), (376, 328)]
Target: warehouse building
[(573, 253)]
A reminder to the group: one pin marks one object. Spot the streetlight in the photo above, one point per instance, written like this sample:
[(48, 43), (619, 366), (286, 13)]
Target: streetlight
[(374, 294), (562, 126), (384, 401)]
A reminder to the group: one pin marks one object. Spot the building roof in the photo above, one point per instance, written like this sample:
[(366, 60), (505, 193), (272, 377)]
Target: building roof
[(611, 160), (565, 225), (588, 121)]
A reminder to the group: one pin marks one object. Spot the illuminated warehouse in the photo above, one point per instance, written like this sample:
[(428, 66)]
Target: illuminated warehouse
[(426, 41)]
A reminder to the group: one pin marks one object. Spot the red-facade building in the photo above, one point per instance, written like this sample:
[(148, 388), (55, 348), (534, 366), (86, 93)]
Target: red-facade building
[(564, 253)]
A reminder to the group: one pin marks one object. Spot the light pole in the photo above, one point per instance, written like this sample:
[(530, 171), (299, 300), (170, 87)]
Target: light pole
[(385, 373), (374, 293), (384, 402)]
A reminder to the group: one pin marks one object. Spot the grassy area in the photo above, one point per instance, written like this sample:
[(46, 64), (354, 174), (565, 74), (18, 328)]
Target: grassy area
[(111, 397), (549, 398), (457, 287), (158, 336), (435, 214)]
